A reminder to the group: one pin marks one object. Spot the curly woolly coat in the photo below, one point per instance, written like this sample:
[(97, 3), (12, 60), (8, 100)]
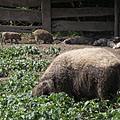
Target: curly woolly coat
[(89, 73), (12, 36), (43, 35)]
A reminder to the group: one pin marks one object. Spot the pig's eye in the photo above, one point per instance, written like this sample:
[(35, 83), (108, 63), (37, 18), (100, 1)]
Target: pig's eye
[(45, 83), (38, 88)]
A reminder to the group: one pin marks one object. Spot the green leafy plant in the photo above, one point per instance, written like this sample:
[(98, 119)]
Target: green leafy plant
[(66, 34), (52, 51), (21, 58), (16, 99)]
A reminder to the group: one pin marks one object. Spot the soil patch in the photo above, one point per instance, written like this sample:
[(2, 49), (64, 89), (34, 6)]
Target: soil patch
[(67, 47)]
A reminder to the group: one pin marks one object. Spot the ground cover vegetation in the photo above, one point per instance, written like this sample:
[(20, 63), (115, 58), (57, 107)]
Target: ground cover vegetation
[(20, 64)]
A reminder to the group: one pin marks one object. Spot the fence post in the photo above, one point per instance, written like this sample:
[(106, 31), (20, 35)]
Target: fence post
[(116, 18), (46, 14)]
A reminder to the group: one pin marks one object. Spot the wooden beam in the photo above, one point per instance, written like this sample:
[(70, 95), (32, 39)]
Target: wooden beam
[(81, 12), (64, 1), (20, 15), (22, 29), (82, 26), (20, 3), (46, 14), (116, 18)]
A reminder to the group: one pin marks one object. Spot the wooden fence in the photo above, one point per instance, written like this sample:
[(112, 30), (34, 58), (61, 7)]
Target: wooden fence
[(44, 14)]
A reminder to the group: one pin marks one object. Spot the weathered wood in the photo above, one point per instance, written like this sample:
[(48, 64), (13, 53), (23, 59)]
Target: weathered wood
[(29, 3), (116, 18), (64, 1), (20, 15), (22, 29), (82, 26), (20, 3), (81, 12), (46, 14)]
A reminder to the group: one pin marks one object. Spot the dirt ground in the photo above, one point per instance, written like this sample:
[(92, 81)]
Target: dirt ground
[(67, 47)]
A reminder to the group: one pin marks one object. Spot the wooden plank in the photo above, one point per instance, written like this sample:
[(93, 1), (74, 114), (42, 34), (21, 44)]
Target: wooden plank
[(22, 29), (116, 18), (63, 26), (20, 15), (81, 12), (46, 14), (82, 26), (64, 1), (20, 3)]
